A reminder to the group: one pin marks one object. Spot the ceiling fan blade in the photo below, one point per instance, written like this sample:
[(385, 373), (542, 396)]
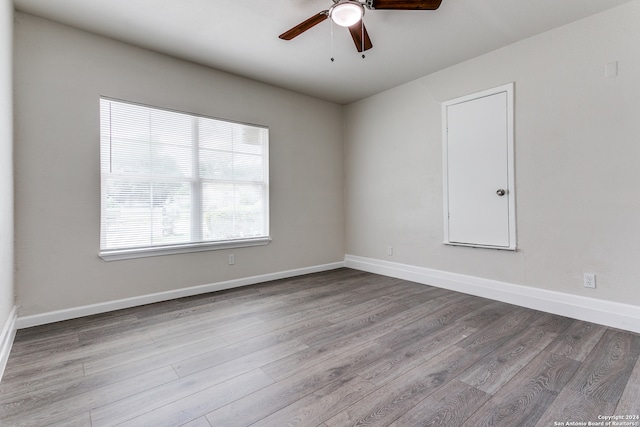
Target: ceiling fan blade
[(360, 36), (407, 4), (304, 26)]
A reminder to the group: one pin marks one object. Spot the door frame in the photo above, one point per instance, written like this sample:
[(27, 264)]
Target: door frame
[(509, 90)]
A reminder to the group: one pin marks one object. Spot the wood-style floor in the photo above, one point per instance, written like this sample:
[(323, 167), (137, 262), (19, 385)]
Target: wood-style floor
[(339, 348)]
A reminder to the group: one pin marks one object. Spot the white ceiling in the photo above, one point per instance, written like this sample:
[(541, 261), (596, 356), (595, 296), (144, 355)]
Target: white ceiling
[(241, 36)]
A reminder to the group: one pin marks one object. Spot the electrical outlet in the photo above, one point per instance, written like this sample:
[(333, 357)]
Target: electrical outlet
[(589, 280), (390, 250), (232, 259)]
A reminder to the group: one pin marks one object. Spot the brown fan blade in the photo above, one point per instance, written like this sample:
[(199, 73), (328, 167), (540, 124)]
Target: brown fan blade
[(358, 34), (304, 26), (407, 4)]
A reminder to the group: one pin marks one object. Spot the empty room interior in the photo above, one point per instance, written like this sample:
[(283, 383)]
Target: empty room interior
[(220, 213)]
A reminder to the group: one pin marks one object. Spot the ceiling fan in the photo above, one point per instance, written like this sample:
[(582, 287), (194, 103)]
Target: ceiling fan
[(349, 13)]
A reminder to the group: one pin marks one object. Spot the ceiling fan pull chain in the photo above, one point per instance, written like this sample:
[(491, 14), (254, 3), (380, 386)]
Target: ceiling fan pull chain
[(362, 36), (331, 23)]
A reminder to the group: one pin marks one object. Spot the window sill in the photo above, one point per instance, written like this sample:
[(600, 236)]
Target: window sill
[(121, 254)]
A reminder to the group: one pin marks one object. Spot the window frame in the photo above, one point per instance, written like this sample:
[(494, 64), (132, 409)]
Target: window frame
[(197, 181)]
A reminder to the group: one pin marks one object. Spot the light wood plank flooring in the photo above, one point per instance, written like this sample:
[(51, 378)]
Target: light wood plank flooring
[(339, 348)]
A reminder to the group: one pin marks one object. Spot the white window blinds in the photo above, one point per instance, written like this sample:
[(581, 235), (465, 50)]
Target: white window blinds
[(172, 180)]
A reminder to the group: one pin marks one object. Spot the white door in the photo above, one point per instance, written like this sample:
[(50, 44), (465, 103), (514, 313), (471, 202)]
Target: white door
[(478, 156)]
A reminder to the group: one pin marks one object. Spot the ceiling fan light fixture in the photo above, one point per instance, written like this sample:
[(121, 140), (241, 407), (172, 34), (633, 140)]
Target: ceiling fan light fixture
[(346, 13)]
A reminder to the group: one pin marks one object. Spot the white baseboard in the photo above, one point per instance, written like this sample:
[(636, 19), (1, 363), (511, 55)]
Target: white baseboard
[(608, 313), (6, 339), (88, 310)]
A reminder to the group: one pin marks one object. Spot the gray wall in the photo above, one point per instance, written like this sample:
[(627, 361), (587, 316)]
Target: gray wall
[(577, 173), (60, 74), (6, 161)]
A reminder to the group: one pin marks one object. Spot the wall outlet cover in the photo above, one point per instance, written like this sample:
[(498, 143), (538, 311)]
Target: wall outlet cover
[(589, 280)]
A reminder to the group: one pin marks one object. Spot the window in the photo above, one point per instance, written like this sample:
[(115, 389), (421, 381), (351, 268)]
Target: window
[(173, 182)]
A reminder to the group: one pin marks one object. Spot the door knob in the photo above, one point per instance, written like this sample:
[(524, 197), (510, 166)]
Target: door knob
[(501, 192)]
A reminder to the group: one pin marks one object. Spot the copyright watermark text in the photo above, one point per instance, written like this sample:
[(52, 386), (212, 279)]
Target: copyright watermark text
[(604, 421)]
